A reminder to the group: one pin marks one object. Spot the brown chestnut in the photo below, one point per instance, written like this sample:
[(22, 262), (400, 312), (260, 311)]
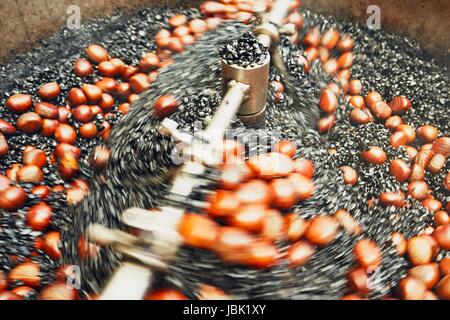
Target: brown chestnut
[(437, 163), (328, 101), (427, 273), (427, 133), (286, 147), (175, 45), (360, 116), (295, 227), (350, 175), (181, 31), (164, 106), (442, 236), (58, 291), (305, 167), (39, 216), (303, 186), (139, 83), (398, 139), (7, 128), (367, 254), (393, 122), (345, 61), (399, 242), (76, 97), (441, 217), (82, 68), (345, 44), (12, 198), (412, 289), (432, 205), (417, 173), (330, 66), (444, 266), (423, 158), (299, 253), (358, 281), (357, 101), (284, 192), (19, 103), (46, 110), (49, 91), (443, 288), (410, 133), (400, 170), (88, 130), (107, 69), (330, 38), (375, 155), (30, 173), (421, 249), (51, 245), (34, 156), (92, 92), (198, 231), (198, 26), (107, 85), (412, 152), (271, 165), (124, 108), (123, 90), (311, 54), (68, 167), (4, 147), (97, 53), (29, 122), (418, 190), (442, 146), (392, 199), (372, 98), (63, 149), (65, 134), (249, 217), (347, 222), (312, 38), (149, 62), (119, 65), (381, 110), (322, 230), (326, 123), (272, 225), (27, 272), (83, 113), (355, 87), (4, 182), (41, 191), (255, 192), (178, 20), (400, 104)]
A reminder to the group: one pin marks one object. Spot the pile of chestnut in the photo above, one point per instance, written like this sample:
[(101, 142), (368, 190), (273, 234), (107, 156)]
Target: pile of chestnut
[(116, 87)]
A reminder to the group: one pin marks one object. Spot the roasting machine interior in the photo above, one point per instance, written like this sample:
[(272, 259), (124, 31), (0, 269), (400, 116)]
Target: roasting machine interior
[(227, 149)]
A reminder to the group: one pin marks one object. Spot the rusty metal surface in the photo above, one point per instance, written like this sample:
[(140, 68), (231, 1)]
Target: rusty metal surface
[(23, 22)]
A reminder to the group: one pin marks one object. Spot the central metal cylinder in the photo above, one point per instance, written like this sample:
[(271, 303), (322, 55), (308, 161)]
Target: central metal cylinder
[(253, 108)]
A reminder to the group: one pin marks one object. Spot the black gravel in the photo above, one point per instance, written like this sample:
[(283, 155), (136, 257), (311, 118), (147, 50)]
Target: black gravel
[(245, 52)]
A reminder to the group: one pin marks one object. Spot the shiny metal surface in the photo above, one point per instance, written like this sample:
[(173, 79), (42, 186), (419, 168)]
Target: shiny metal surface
[(258, 80)]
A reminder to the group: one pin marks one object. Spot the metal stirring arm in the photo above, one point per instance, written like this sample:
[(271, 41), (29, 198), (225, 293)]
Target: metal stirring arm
[(158, 239)]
